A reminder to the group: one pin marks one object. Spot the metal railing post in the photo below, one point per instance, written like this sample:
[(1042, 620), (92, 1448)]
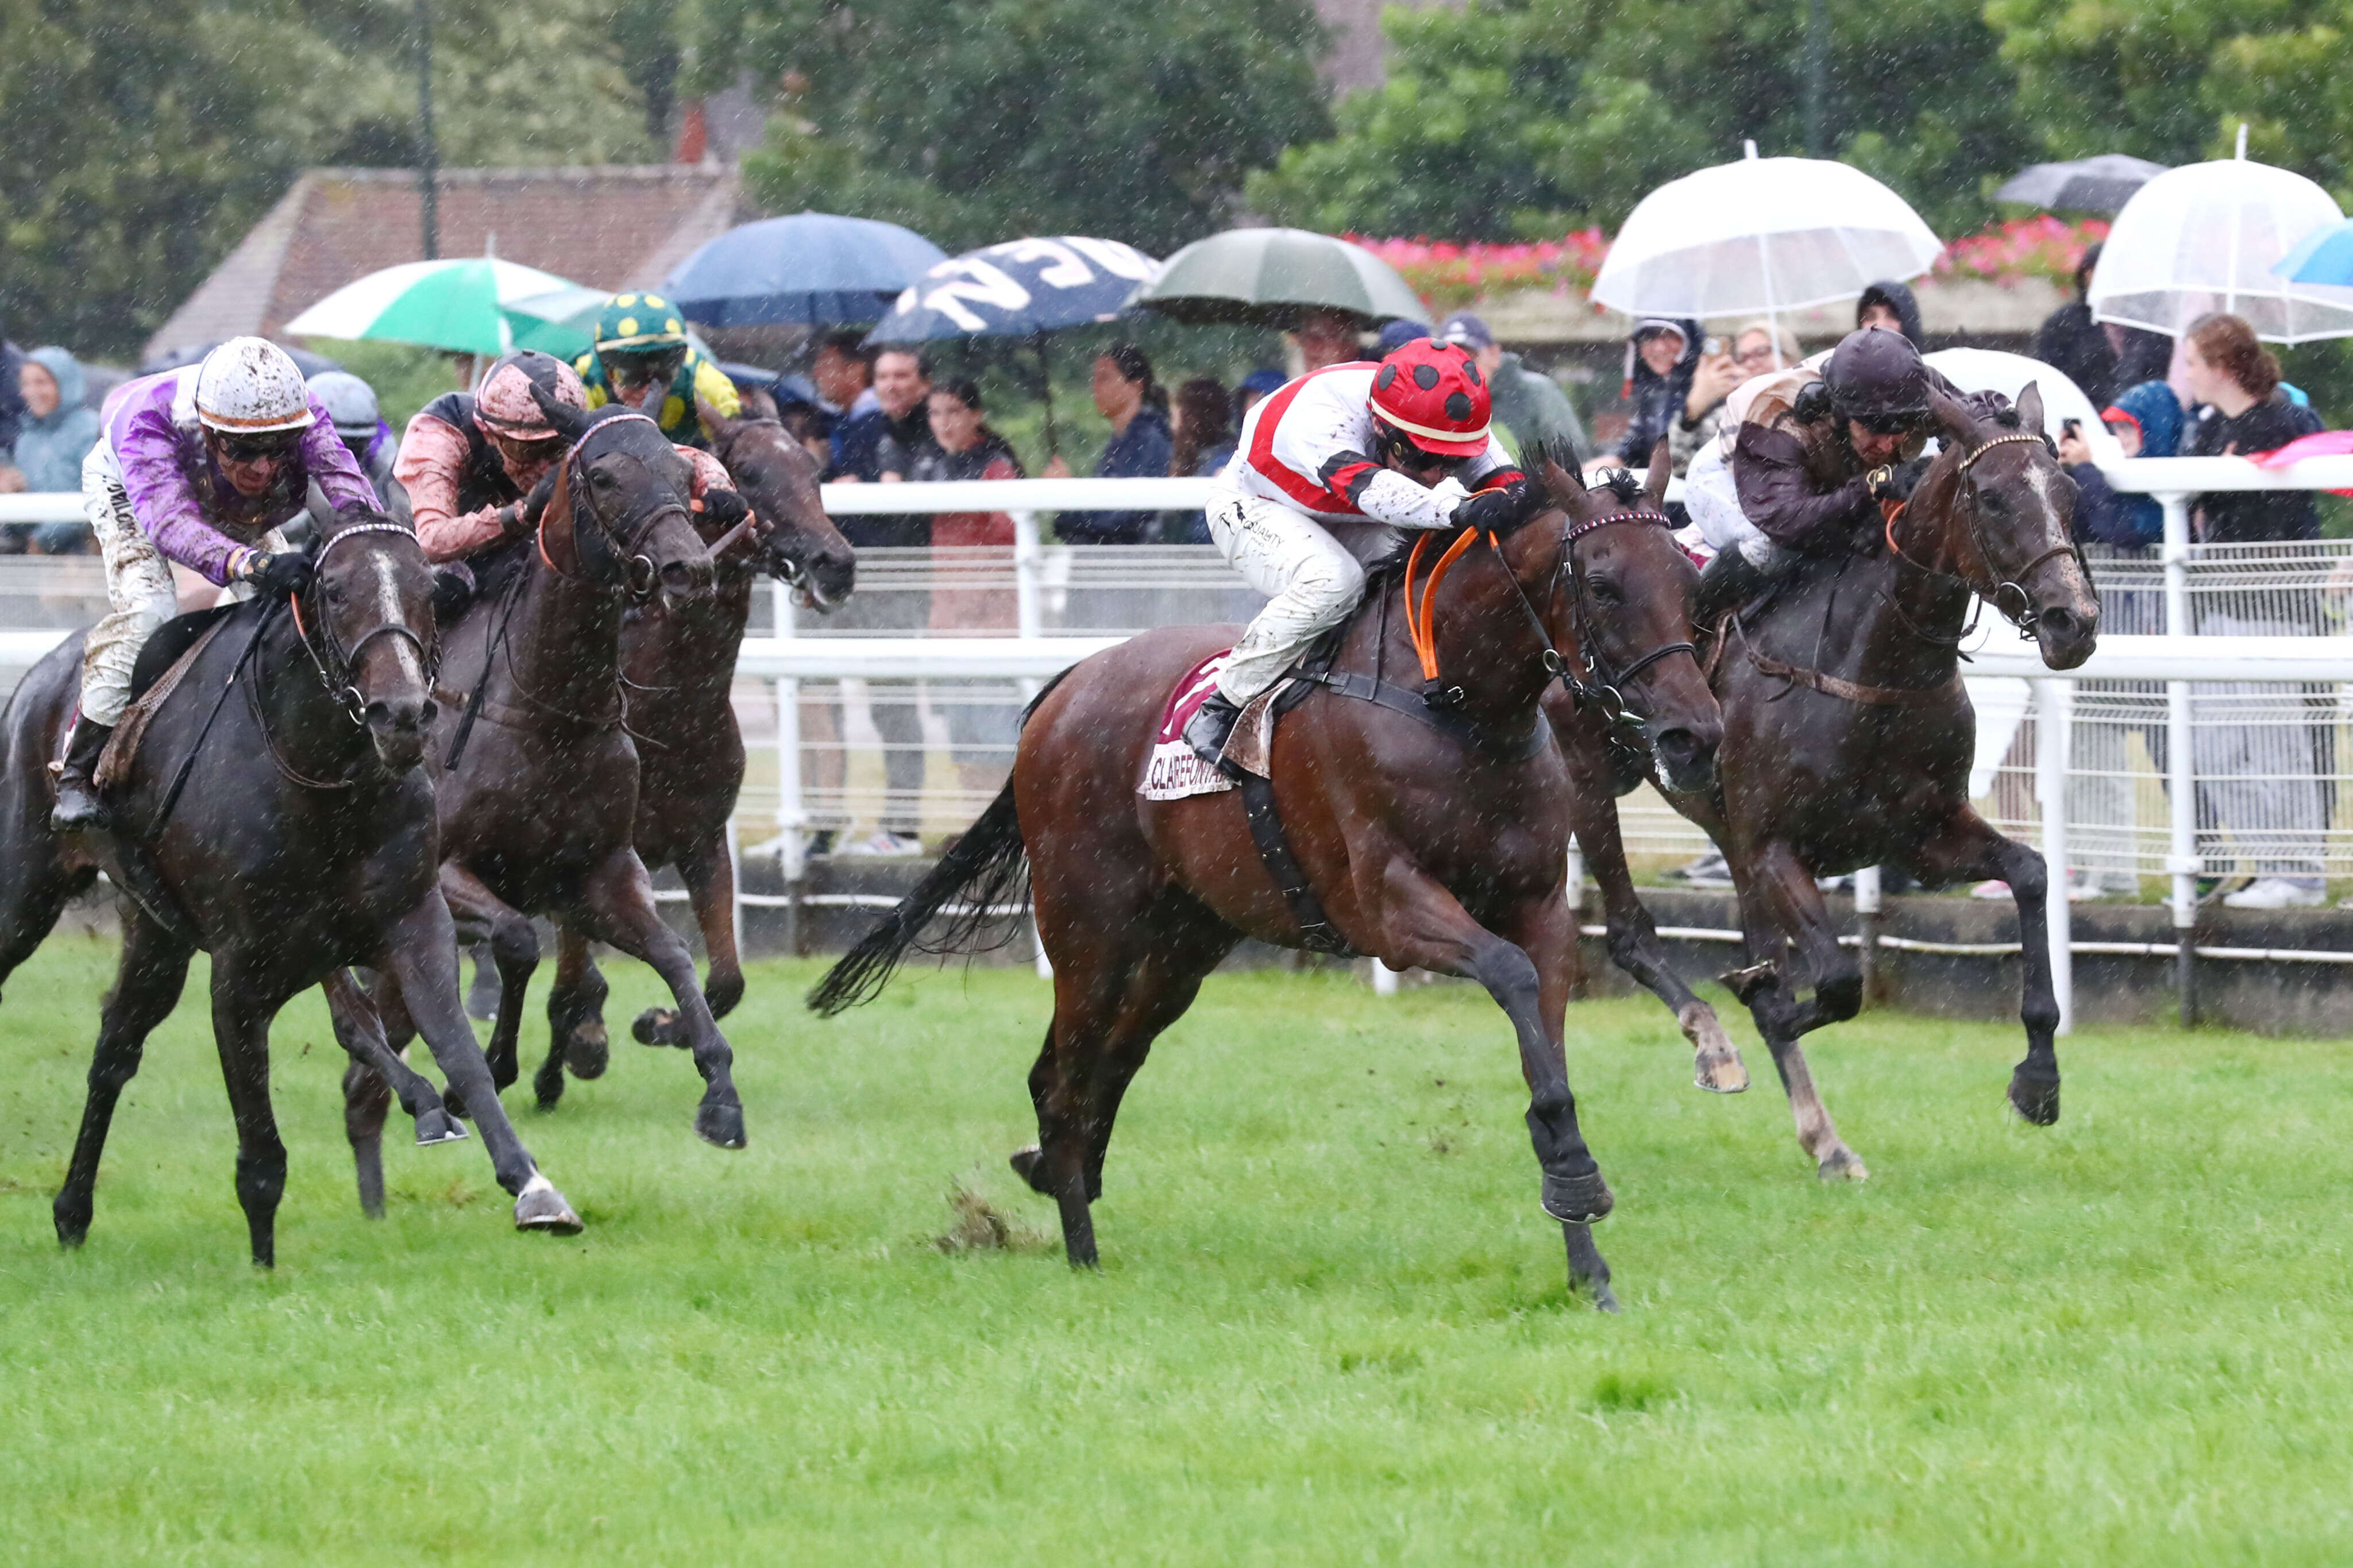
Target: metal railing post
[(2054, 711), (1866, 914), (2181, 860), (1029, 586)]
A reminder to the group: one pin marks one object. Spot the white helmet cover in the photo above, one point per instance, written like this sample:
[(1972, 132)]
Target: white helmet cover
[(350, 402), (250, 386)]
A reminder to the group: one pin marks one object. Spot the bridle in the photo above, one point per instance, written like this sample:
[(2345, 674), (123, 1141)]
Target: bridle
[(335, 663), (633, 571), (2006, 595), (787, 570)]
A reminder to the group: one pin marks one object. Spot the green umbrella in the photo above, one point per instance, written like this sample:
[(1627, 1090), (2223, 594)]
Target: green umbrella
[(1265, 276), (477, 305)]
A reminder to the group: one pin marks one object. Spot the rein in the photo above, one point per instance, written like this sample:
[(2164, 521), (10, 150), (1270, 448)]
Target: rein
[(2005, 590)]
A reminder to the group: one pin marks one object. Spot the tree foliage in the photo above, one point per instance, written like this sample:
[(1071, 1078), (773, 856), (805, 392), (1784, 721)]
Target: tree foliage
[(984, 121), (137, 144)]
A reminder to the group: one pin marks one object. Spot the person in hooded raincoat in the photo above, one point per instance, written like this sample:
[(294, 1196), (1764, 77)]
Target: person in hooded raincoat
[(57, 432)]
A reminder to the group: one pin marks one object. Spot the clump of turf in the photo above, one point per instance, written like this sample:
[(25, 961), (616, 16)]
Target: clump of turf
[(979, 1227)]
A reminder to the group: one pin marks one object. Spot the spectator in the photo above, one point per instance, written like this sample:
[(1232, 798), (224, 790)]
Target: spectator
[(983, 716), (2259, 778), (1326, 338), (1531, 408), (2146, 423), (1201, 426), (59, 428), (1761, 348), (806, 415), (12, 411), (1659, 359), (839, 372), (1397, 335), (1139, 448), (2075, 345), (351, 403), (903, 388), (1262, 381), (1891, 305)]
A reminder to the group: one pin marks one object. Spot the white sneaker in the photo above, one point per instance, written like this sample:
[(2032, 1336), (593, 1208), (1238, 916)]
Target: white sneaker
[(2278, 893), (884, 842), (1997, 889), (1710, 870)]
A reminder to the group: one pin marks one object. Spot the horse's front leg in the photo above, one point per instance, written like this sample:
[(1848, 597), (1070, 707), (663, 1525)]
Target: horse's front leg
[(1634, 943), (709, 872), (375, 1073), (1964, 844), (1779, 904), (617, 906), (480, 913), (1421, 926)]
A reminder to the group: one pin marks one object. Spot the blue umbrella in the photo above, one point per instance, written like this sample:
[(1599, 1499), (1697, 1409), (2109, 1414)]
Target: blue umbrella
[(2324, 256), (811, 270), (1023, 288)]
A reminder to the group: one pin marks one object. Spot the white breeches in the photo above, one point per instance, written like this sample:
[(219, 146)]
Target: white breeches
[(1311, 580), (1714, 503), (139, 587)]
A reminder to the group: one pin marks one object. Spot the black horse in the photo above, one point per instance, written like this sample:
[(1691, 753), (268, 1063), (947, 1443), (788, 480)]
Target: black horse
[(276, 816)]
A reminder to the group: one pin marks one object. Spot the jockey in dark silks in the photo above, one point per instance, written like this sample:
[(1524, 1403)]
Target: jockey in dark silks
[(642, 358), (1813, 458)]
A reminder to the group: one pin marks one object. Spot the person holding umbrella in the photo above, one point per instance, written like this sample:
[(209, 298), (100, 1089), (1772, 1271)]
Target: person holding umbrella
[(1326, 467), (642, 358), (1139, 448)]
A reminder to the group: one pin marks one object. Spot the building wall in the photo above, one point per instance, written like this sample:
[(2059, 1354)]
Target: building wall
[(1358, 47)]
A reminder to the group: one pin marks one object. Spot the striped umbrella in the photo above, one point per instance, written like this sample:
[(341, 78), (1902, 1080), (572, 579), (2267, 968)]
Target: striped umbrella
[(477, 305)]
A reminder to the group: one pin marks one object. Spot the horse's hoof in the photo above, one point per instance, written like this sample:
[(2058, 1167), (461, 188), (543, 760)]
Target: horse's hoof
[(1577, 1200), (72, 1231), (2035, 1099), (1604, 1301), (539, 1206), (455, 1104), (547, 1084), (719, 1124), (1025, 1164), (1840, 1164), (658, 1026), (1720, 1072), (438, 1126), (587, 1052)]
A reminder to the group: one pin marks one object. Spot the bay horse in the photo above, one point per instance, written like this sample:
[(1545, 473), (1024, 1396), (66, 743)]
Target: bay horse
[(538, 800), (1439, 844), (1848, 742), (677, 665), (303, 842)]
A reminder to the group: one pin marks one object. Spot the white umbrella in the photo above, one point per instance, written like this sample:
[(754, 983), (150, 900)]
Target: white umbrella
[(2206, 237), (1991, 370), (1762, 235)]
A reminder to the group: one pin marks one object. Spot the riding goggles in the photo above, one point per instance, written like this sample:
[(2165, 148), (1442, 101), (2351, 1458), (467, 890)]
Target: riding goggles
[(275, 447), (1888, 424), (632, 368)]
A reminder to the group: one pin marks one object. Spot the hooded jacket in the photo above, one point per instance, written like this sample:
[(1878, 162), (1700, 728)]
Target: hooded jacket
[(49, 449), (1658, 399), (2106, 516), (1899, 298)]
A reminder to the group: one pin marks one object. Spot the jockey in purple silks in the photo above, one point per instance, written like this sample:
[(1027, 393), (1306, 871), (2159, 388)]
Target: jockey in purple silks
[(197, 466)]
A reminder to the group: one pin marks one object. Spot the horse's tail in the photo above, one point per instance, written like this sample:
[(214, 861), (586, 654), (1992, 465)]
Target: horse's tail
[(981, 879)]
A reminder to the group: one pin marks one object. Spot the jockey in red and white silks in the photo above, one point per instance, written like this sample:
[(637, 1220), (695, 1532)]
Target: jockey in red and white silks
[(1325, 472)]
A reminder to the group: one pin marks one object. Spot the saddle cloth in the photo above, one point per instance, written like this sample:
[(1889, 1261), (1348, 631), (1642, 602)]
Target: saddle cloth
[(1171, 771), (122, 749)]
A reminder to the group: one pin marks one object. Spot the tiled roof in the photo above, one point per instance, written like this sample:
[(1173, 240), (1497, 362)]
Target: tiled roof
[(609, 227)]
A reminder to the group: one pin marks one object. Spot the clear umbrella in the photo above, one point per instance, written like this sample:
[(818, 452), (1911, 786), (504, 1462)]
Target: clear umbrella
[(2206, 237), (2100, 185), (1760, 236)]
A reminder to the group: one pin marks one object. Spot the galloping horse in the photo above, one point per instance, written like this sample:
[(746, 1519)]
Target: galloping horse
[(1434, 837), (286, 829), (538, 800), (678, 662), (1848, 740)]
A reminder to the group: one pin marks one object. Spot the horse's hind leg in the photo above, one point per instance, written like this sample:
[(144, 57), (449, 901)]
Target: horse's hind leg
[(148, 980), (618, 907), (375, 1075), (1634, 943), (1967, 846), (515, 946), (1792, 908), (709, 873), (576, 1018)]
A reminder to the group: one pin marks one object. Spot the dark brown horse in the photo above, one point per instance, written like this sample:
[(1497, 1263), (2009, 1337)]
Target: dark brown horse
[(538, 805), (1847, 741), (301, 841), (1435, 843), (677, 665)]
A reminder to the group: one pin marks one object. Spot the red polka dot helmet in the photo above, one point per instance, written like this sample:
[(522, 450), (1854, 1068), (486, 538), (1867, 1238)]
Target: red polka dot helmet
[(1431, 394)]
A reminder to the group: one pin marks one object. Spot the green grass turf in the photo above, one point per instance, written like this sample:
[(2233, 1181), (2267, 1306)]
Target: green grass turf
[(1332, 1326)]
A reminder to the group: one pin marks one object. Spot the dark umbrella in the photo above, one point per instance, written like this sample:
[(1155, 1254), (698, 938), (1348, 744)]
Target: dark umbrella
[(1023, 288), (2100, 184), (811, 270), (1266, 277)]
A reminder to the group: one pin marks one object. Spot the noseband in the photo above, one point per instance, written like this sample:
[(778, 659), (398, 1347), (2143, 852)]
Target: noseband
[(636, 571), (334, 666), (2006, 595), (1600, 686)]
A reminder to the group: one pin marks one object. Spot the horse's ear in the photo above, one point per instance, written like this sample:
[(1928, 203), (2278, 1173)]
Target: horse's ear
[(2029, 409), (1552, 468), (1953, 416), (718, 424), (1663, 469), (566, 420)]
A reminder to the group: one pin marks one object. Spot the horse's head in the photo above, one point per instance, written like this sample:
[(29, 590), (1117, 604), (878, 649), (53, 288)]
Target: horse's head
[(2007, 510), (617, 516), (1619, 610), (796, 541), (368, 619)]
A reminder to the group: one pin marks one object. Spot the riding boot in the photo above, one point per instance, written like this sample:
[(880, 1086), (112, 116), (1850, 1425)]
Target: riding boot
[(1210, 728), (1729, 582), (78, 806)]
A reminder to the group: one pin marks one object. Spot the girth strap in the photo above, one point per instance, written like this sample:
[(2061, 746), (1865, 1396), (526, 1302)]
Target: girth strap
[(1848, 690), (1447, 720), (1315, 929)]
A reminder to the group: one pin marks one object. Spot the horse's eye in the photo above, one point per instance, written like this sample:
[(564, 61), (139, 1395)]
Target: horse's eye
[(334, 593), (601, 478), (1602, 589)]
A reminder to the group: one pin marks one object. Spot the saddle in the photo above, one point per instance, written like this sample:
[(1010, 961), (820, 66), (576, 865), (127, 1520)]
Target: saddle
[(169, 654)]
